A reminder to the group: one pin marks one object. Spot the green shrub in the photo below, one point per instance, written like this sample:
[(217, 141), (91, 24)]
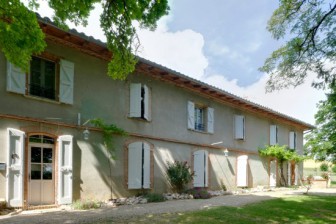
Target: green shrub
[(324, 167), (154, 197), (179, 175), (86, 204), (325, 176), (333, 169), (199, 193), (223, 186)]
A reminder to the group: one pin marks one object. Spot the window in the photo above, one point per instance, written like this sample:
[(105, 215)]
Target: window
[(47, 78), (274, 135), (139, 168), (139, 101), (239, 122), (201, 168), (42, 78), (292, 140), (200, 118)]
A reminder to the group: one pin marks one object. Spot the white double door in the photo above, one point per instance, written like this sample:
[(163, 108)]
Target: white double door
[(41, 174)]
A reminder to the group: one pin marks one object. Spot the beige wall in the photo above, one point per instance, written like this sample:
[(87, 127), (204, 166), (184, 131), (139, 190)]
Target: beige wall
[(98, 96)]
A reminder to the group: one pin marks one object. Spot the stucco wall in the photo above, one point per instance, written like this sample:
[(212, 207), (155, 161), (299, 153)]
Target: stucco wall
[(98, 96)]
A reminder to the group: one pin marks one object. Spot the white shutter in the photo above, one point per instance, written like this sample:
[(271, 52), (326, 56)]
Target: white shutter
[(205, 168), (292, 140), (134, 165), (239, 127), (297, 175), (135, 100), (15, 167), (191, 115), (210, 120), (242, 171), (67, 70), (146, 166), (147, 109), (65, 150), (273, 173), (289, 173), (199, 168), (16, 79), (273, 135)]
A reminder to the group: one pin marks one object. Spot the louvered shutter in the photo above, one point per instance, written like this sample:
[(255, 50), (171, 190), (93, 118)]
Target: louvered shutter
[(199, 169), (134, 165), (239, 127), (242, 171), (15, 167), (210, 120), (205, 168), (147, 109), (67, 70), (65, 166), (135, 100), (289, 173), (146, 166), (273, 175), (16, 79), (273, 135), (191, 115), (292, 140)]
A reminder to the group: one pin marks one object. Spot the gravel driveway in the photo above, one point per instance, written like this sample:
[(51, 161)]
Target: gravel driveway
[(129, 212)]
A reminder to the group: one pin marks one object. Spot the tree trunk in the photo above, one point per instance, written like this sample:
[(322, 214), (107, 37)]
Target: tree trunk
[(282, 177)]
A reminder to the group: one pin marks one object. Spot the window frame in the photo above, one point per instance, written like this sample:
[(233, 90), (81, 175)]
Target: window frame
[(141, 99), (192, 124)]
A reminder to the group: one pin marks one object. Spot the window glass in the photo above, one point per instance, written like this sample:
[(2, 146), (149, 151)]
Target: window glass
[(199, 118), (35, 173), (35, 155), (47, 171), (47, 155), (42, 78)]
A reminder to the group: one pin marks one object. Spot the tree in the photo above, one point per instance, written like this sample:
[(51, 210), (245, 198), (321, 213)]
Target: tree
[(321, 142), (21, 36), (311, 27), (282, 154)]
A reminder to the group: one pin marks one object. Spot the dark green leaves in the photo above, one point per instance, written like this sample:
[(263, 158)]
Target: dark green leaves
[(311, 27)]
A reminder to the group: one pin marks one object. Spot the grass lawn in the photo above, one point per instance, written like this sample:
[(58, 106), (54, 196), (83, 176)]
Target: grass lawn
[(298, 209)]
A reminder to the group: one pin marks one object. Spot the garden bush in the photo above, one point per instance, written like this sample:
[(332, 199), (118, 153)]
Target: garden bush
[(324, 167), (86, 204), (333, 169), (199, 193), (179, 175), (154, 197)]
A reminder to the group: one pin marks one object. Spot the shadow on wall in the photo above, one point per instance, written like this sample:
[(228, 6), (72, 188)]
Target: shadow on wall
[(224, 174), (249, 174), (77, 165), (161, 157)]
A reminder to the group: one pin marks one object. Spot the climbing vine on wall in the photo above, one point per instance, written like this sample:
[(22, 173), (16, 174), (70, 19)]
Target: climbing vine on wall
[(282, 154), (108, 131)]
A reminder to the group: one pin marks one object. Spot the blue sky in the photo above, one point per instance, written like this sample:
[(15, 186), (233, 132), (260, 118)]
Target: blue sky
[(236, 41), (222, 43)]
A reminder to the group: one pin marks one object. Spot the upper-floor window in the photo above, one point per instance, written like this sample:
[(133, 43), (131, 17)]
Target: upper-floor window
[(200, 118), (239, 127), (47, 78), (274, 135), (139, 101), (292, 140), (42, 78)]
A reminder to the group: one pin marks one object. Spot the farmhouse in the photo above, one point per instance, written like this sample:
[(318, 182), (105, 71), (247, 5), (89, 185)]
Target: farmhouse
[(51, 154)]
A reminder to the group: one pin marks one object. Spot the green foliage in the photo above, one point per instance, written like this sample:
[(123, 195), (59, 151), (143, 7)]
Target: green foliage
[(20, 33), (282, 154), (333, 168), (325, 175), (86, 204), (324, 167), (179, 175), (223, 186), (321, 142), (154, 197), (199, 193), (108, 132), (21, 36), (311, 26)]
